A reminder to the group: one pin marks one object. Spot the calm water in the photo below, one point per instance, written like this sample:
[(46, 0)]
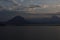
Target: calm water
[(30, 33)]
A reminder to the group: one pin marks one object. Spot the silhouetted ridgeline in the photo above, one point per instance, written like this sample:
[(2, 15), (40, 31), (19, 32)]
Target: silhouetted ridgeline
[(20, 21), (52, 20), (16, 21)]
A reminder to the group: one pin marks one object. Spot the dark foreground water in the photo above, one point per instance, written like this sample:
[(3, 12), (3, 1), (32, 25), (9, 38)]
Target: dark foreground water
[(30, 33)]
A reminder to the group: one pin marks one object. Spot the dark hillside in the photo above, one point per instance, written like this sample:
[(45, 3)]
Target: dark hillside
[(18, 20)]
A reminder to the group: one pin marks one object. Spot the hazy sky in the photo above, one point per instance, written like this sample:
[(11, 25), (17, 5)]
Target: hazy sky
[(45, 6)]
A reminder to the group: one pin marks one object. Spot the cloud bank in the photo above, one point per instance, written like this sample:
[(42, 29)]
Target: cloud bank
[(45, 5)]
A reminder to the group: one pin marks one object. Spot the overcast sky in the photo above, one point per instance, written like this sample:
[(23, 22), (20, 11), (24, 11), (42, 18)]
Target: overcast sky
[(46, 6)]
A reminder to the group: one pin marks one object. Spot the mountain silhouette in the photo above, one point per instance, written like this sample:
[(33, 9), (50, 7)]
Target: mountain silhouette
[(18, 20)]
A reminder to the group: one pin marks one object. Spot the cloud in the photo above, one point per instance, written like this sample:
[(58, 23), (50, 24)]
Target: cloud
[(9, 4), (44, 6), (15, 4)]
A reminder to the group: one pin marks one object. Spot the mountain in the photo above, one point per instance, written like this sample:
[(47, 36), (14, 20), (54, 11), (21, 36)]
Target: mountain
[(52, 20), (18, 20)]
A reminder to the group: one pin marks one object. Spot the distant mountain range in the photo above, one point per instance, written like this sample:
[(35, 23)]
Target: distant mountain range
[(20, 21), (52, 20)]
